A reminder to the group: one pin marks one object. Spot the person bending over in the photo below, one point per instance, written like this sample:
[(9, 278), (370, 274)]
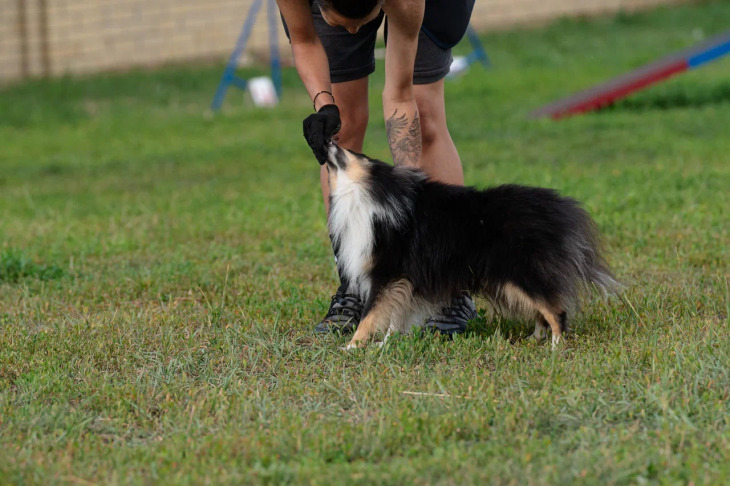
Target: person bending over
[(333, 46)]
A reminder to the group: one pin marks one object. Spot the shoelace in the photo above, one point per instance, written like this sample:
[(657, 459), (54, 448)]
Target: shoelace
[(460, 308)]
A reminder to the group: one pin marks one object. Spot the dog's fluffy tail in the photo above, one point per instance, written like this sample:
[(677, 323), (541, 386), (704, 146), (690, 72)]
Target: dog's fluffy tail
[(589, 265)]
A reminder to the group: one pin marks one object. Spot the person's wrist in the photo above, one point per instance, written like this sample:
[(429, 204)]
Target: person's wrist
[(321, 99)]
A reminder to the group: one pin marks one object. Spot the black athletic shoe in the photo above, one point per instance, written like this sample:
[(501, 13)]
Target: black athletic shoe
[(343, 316), (453, 318)]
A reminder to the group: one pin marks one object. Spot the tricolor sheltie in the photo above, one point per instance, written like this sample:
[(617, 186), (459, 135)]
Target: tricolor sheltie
[(408, 245)]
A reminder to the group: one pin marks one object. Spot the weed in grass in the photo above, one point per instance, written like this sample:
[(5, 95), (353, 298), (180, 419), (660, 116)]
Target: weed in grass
[(16, 266)]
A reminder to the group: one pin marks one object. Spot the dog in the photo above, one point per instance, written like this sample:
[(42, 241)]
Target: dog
[(407, 245)]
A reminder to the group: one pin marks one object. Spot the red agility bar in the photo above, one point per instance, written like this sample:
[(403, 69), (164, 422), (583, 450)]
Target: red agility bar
[(619, 87)]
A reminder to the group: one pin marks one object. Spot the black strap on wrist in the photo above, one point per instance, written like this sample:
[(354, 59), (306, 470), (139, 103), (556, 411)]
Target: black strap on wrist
[(314, 101)]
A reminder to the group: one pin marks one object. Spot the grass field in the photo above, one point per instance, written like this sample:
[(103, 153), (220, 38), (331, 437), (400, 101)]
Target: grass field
[(161, 270)]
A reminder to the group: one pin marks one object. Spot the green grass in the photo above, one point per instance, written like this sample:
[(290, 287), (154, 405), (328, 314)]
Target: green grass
[(160, 271)]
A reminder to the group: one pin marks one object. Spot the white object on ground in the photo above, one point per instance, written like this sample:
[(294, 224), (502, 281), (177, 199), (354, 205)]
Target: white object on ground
[(459, 66), (262, 91)]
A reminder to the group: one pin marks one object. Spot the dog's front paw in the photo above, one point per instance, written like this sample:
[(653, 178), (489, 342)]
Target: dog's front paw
[(557, 341), (353, 345)]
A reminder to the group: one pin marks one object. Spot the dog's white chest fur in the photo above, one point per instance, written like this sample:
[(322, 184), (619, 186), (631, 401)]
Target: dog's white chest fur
[(351, 226)]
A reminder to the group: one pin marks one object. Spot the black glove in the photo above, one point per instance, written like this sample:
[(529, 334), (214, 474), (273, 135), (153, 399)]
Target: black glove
[(319, 128)]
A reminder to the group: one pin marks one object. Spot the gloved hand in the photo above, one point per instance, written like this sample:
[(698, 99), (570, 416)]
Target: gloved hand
[(319, 128)]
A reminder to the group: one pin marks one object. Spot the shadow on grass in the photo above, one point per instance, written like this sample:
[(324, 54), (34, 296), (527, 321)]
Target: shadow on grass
[(485, 326), (672, 97)]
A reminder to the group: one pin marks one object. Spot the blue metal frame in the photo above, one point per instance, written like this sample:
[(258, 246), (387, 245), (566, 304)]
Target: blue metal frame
[(711, 54), (229, 74), (478, 53)]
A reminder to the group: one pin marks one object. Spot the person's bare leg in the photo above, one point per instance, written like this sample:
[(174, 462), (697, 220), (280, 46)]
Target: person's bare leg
[(352, 100), (439, 158)]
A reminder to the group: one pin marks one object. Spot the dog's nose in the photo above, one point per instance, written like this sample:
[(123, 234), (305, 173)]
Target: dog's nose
[(334, 155)]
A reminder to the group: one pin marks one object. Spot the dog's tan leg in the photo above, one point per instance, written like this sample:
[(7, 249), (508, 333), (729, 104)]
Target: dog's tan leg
[(517, 299), (392, 305), (556, 321)]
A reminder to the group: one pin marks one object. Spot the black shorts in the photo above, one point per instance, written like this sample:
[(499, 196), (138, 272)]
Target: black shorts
[(351, 56)]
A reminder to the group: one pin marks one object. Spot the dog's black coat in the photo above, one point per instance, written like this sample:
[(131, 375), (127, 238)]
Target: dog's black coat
[(453, 239)]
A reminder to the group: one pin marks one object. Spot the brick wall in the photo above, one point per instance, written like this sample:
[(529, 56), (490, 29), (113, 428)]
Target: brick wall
[(501, 13), (56, 37)]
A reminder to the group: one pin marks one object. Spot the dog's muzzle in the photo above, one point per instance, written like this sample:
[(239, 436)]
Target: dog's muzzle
[(332, 153)]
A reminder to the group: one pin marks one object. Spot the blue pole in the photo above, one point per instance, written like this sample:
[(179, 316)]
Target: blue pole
[(274, 46), (229, 73), (478, 53)]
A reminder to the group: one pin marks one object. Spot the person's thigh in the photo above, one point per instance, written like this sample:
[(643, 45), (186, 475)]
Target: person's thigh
[(431, 107)]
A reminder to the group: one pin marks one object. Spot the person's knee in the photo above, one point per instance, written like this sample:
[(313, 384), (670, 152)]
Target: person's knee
[(432, 115), (352, 99), (430, 128), (355, 120), (354, 124)]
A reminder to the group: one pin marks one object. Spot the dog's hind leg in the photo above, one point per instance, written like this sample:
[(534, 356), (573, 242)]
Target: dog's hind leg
[(558, 321), (550, 315), (541, 327), (391, 308)]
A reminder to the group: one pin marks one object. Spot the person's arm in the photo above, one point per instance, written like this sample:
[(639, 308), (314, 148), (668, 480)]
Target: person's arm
[(402, 123), (310, 58), (311, 61)]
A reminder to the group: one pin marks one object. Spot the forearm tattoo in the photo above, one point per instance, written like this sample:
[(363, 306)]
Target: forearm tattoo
[(404, 138)]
